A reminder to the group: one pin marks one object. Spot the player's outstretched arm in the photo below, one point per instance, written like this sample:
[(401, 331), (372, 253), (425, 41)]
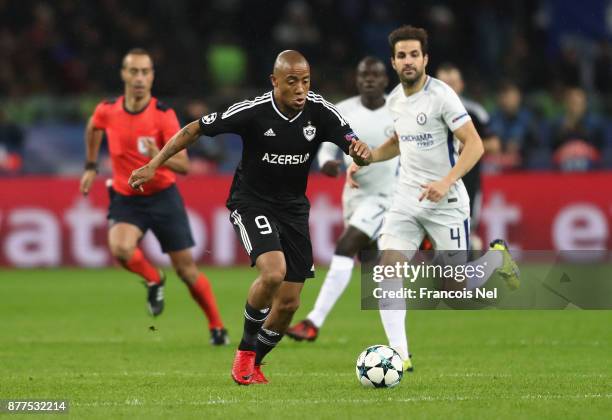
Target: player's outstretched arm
[(93, 139), (178, 163), (387, 150), (186, 136)]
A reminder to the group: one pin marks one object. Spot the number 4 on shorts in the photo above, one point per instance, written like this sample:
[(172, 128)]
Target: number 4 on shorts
[(455, 234)]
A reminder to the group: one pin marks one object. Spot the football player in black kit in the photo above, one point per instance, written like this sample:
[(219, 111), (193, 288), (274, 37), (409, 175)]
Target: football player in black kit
[(281, 132)]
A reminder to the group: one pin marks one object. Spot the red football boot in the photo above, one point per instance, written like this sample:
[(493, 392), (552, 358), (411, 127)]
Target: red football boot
[(243, 367), (258, 376), (303, 330)]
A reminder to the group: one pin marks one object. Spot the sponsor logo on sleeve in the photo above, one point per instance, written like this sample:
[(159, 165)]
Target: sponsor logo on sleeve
[(459, 117)]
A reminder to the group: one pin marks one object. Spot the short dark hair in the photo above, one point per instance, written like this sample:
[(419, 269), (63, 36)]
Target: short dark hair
[(448, 66), (408, 32), (370, 59), (137, 51)]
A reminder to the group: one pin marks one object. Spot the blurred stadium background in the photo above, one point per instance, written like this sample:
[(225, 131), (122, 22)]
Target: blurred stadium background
[(543, 70)]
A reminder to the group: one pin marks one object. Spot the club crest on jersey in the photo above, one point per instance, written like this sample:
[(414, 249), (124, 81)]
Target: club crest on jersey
[(421, 118), (310, 131), (210, 118)]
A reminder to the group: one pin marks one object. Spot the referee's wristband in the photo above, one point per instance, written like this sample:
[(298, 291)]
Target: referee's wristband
[(91, 166)]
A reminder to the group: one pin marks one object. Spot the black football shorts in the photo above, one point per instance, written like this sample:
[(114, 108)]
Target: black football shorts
[(162, 212), (262, 229)]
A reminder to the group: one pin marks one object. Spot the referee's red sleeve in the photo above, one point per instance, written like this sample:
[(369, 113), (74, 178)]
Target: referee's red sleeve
[(170, 125), (98, 118)]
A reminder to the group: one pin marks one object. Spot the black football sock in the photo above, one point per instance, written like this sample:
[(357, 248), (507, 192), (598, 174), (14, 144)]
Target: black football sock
[(253, 320), (266, 341)]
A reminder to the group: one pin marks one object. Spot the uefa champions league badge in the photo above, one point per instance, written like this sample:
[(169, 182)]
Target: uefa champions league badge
[(210, 118), (310, 131)]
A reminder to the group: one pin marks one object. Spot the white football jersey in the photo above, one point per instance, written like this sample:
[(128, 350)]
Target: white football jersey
[(424, 123), (373, 127)]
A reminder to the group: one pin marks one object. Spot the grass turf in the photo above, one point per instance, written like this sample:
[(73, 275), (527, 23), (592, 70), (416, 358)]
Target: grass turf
[(84, 336)]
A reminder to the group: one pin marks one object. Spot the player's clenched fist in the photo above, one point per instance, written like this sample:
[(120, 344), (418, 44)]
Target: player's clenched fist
[(360, 152), (140, 176)]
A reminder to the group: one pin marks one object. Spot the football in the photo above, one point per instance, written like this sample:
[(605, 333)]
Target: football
[(379, 366)]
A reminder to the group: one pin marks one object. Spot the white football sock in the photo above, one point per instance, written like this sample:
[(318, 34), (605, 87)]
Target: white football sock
[(393, 317), (394, 323), (488, 263), (336, 280)]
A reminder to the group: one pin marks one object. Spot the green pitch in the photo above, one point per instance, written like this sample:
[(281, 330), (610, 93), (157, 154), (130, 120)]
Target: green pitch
[(84, 336)]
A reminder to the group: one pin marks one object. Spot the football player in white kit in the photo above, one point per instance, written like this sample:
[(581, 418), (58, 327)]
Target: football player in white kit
[(430, 198), (363, 208)]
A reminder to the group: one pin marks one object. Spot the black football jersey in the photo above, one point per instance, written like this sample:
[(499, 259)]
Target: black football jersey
[(277, 151)]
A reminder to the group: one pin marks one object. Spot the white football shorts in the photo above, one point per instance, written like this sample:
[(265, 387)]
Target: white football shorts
[(365, 212)]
